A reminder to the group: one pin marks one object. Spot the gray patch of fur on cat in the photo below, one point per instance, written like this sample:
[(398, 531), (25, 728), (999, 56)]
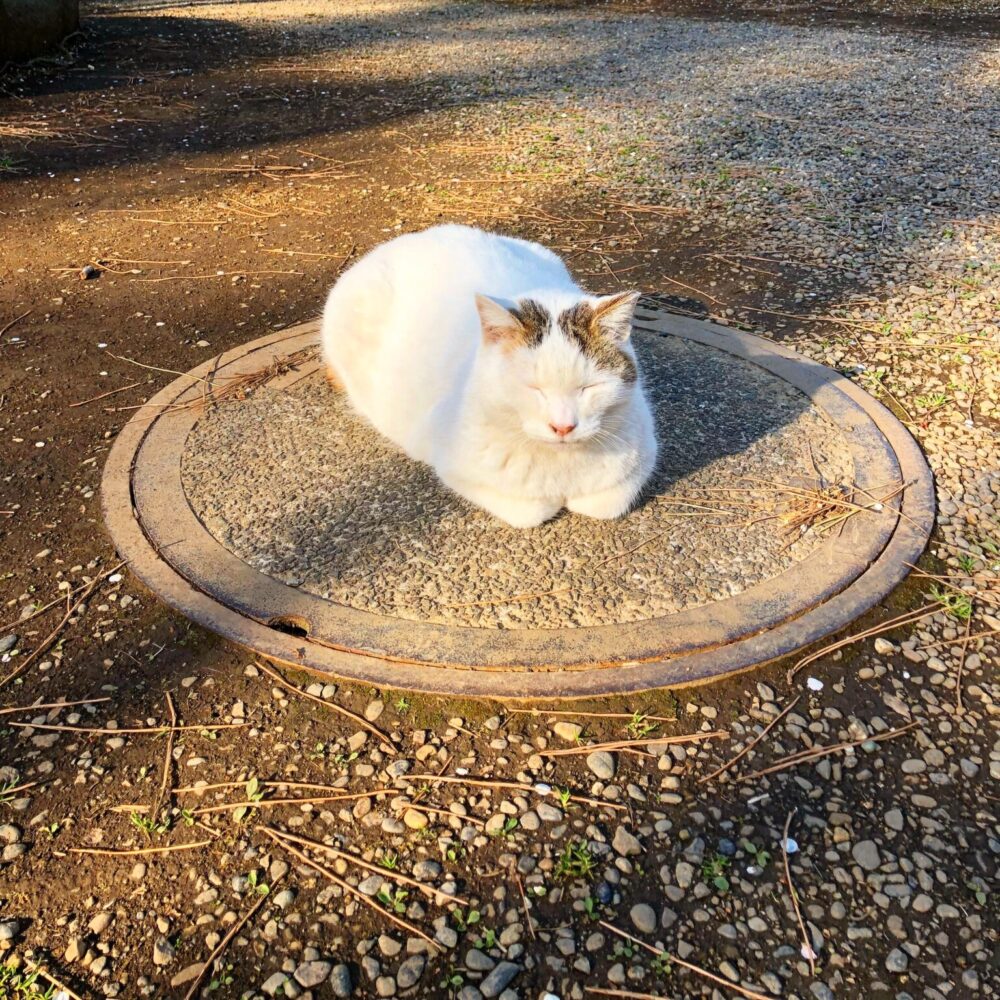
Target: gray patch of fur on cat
[(581, 325)]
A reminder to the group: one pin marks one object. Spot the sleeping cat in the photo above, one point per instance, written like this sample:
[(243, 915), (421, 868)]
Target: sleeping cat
[(479, 355)]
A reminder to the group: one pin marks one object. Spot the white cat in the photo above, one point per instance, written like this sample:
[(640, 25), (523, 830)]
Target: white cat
[(479, 355)]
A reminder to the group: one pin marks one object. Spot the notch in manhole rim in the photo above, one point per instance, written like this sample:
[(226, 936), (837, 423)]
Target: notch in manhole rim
[(291, 625)]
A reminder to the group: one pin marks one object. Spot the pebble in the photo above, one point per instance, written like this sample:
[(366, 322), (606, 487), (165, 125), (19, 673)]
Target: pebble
[(499, 979), (310, 974), (897, 961), (601, 764), (625, 843), (340, 981), (273, 983), (568, 731), (410, 971), (426, 871), (163, 951), (866, 853), (643, 918), (187, 974)]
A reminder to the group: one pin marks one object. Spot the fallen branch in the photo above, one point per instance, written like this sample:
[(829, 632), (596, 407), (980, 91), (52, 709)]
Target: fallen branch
[(591, 715), (154, 730), (61, 988), (51, 704), (111, 852), (908, 618), (16, 319), (814, 753), (54, 634), (168, 759), (262, 803), (104, 395), (428, 890), (142, 809), (529, 923), (359, 720), (278, 837), (626, 744), (517, 785), (674, 960), (729, 763), (807, 952), (221, 946)]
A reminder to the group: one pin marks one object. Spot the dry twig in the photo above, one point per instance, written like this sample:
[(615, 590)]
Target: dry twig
[(814, 753), (627, 744), (112, 852), (221, 946), (729, 763), (279, 838), (674, 960), (394, 876), (807, 951), (54, 634), (353, 716), (51, 704)]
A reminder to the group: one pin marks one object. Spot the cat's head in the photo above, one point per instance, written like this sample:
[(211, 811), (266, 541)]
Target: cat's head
[(560, 368)]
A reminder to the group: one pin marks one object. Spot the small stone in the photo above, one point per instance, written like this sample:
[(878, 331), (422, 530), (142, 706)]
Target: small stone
[(478, 961), (374, 709), (310, 974), (897, 961), (410, 971), (100, 923), (8, 931), (75, 950), (389, 946), (894, 819), (371, 885), (284, 898), (568, 731), (602, 764), (7, 643), (273, 983), (340, 982), (883, 647), (866, 854), (644, 918), (684, 873), (426, 871), (163, 951), (415, 820), (548, 813), (385, 986), (187, 974), (499, 979), (626, 844)]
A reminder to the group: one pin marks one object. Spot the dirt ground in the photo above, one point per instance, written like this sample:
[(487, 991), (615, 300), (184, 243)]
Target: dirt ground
[(186, 178)]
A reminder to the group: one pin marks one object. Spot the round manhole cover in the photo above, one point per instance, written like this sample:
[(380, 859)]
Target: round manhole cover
[(786, 502)]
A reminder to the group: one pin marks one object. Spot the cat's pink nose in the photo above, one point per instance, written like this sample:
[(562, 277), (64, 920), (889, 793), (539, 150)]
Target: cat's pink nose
[(561, 430)]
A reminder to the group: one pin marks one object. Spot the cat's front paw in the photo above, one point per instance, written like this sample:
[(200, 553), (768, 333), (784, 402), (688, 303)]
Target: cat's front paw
[(523, 513), (605, 505)]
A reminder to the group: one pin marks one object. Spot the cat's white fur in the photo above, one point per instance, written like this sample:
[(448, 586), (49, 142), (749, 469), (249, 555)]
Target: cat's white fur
[(437, 367)]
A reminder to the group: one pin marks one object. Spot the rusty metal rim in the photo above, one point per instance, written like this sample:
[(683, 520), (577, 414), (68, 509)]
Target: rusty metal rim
[(696, 659)]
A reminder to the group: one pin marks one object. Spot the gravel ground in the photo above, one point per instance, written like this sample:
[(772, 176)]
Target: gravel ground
[(297, 486), (833, 187)]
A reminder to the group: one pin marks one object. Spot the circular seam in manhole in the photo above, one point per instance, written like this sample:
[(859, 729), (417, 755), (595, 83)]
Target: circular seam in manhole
[(171, 551)]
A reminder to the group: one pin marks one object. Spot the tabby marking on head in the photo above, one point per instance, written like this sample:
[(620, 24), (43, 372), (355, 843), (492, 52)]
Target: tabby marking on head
[(582, 325)]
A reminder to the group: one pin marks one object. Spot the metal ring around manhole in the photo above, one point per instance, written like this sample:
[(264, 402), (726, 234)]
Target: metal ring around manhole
[(171, 551)]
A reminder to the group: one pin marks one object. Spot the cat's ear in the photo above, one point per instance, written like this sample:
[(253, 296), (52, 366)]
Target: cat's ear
[(498, 322), (612, 316)]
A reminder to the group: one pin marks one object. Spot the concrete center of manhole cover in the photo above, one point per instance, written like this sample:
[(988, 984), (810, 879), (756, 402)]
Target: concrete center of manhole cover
[(313, 496), (786, 503)]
